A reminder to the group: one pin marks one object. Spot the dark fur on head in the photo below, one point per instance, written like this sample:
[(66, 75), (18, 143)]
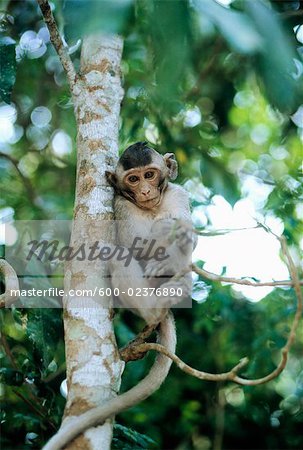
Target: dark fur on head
[(136, 155)]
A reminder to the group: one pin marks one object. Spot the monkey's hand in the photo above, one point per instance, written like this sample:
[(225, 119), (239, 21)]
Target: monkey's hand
[(163, 227), (172, 230), (183, 236), (177, 253)]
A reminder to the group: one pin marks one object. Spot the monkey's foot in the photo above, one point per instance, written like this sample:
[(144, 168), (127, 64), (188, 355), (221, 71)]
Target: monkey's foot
[(158, 268)]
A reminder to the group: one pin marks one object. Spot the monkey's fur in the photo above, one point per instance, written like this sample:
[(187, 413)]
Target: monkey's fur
[(146, 203)]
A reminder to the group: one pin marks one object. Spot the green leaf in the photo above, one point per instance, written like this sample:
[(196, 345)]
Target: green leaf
[(276, 59), (215, 176), (126, 438), (29, 420), (84, 17), (43, 329), (11, 377), (258, 31), (169, 26), (7, 67), (236, 27), (35, 276)]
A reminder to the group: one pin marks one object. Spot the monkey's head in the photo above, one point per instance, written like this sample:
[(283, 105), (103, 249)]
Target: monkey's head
[(142, 175)]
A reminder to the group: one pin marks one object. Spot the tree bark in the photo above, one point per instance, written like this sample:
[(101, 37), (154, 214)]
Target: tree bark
[(94, 366)]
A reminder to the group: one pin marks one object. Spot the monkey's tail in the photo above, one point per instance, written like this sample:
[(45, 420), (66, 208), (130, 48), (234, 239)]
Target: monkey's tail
[(146, 387)]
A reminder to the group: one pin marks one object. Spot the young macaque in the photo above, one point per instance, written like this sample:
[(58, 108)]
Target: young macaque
[(150, 209)]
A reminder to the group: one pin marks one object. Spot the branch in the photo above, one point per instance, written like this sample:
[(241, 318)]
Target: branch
[(143, 348), (57, 42), (11, 284), (220, 232), (8, 351), (207, 69), (130, 351), (214, 277), (135, 349), (291, 337), (35, 408), (287, 14), (41, 410)]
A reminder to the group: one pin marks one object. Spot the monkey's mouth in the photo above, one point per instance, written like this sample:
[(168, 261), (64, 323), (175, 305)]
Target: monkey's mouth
[(151, 202), (150, 199)]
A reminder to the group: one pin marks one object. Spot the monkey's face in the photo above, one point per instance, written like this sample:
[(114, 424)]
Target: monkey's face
[(144, 185), (142, 175)]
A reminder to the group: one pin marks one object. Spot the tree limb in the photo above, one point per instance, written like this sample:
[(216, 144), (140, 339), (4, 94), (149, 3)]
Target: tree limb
[(214, 277), (11, 284), (288, 14), (33, 399), (35, 408), (291, 337), (243, 281), (130, 352), (136, 349), (143, 348), (8, 351), (57, 42)]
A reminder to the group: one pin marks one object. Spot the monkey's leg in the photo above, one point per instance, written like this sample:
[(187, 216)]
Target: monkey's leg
[(175, 291), (134, 290)]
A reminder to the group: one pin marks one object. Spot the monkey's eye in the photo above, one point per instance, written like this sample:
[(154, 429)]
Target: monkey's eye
[(133, 179), (149, 174)]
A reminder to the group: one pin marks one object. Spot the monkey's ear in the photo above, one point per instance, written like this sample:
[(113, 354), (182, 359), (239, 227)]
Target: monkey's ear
[(111, 178), (172, 165)]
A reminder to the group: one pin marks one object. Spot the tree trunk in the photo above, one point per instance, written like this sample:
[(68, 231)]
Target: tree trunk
[(93, 364)]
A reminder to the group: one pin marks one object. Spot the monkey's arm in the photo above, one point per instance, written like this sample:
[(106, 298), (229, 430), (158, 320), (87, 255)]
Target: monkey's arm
[(96, 416), (176, 212), (134, 222), (175, 226)]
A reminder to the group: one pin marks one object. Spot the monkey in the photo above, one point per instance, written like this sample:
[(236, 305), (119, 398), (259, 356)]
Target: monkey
[(149, 206)]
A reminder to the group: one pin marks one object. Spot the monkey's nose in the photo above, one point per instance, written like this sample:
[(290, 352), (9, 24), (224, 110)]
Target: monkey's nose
[(146, 192)]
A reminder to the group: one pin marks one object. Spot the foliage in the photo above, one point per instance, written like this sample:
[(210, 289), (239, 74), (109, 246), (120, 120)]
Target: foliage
[(8, 67), (222, 88), (127, 439), (91, 17), (8, 64)]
